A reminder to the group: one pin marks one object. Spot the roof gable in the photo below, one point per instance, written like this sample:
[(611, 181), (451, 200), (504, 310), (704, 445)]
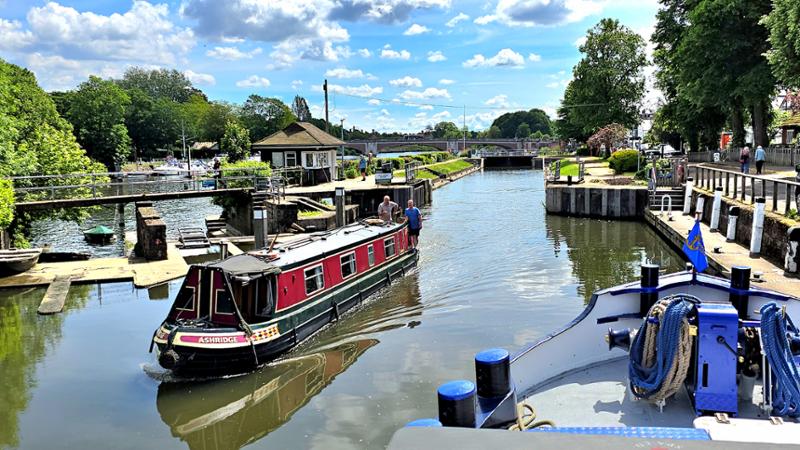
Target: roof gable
[(299, 134)]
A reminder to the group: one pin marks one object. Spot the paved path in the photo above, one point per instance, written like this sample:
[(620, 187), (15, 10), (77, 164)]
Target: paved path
[(731, 254)]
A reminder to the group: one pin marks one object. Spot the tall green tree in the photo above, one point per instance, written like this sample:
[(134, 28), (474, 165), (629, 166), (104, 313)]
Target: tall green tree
[(536, 119), (97, 113), (523, 130), (608, 83), (446, 130), (235, 142), (783, 23), (152, 123), (300, 109), (160, 83), (263, 116)]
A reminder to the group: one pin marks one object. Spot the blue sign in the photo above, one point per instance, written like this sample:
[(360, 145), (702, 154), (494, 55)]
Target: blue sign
[(694, 248)]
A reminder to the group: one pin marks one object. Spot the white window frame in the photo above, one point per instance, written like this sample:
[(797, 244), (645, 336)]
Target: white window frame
[(194, 299), (321, 275), (287, 156), (394, 247), (351, 263), (216, 304), (320, 159), (371, 255)]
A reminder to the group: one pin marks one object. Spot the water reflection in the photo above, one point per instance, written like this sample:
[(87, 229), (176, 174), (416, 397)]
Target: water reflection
[(228, 414)]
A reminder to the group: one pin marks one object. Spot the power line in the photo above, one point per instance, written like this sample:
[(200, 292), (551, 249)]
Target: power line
[(439, 105)]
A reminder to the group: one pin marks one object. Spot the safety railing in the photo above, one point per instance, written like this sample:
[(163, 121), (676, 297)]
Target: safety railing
[(411, 170), (780, 194), (500, 153)]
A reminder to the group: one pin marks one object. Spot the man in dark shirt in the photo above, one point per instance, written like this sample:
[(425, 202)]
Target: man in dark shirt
[(414, 217)]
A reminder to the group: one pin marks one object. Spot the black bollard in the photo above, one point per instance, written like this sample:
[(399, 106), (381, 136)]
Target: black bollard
[(493, 372), (649, 280), (740, 280), (457, 404)]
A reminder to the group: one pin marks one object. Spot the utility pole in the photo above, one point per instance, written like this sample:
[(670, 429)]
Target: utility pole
[(185, 152), (325, 89), (465, 127)]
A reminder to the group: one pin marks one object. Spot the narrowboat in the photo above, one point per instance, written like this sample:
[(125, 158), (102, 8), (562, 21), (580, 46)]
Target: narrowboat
[(234, 315), (18, 260), (671, 361)]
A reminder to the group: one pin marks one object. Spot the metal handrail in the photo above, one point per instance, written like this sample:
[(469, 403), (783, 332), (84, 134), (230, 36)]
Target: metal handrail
[(669, 208), (711, 177)]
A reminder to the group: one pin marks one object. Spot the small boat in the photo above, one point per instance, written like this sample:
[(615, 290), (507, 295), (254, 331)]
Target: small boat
[(18, 261), (99, 234), (665, 360), (234, 315)]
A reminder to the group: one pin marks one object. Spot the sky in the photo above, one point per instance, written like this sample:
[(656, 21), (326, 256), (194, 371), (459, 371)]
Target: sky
[(391, 65)]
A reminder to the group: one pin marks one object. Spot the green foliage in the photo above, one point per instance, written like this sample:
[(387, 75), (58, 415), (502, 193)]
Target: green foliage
[(159, 84), (300, 109), (246, 170), (568, 168), (447, 168), (508, 125), (523, 131), (446, 130), (97, 113), (309, 214), (624, 160), (152, 123), (263, 116), (783, 24), (235, 142), (608, 84), (6, 203), (583, 150)]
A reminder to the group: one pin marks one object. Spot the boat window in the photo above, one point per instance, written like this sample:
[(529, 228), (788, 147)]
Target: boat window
[(185, 299), (223, 303), (371, 255), (265, 299), (388, 247), (314, 279), (348, 265)]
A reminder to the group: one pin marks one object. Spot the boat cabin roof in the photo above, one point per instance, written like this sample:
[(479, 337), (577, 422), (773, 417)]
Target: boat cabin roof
[(244, 264)]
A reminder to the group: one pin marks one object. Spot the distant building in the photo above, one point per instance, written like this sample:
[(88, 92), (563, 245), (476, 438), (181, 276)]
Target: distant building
[(301, 144), (204, 149), (789, 130)]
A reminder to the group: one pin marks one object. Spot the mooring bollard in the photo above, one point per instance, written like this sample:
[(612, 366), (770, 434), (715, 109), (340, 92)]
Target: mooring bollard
[(687, 199), (758, 227), (701, 203), (339, 200), (715, 210), (260, 226), (792, 259), (740, 283), (733, 217), (457, 404), (649, 284)]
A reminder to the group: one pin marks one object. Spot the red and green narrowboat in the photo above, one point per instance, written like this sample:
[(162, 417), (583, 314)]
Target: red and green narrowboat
[(237, 314)]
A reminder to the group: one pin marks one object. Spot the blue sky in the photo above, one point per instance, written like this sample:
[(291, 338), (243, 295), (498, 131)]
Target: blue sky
[(492, 56)]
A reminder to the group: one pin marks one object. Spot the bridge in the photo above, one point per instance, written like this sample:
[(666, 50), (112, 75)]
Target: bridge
[(446, 145)]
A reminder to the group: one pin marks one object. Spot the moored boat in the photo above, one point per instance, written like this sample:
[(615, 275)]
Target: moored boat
[(18, 261), (671, 358), (234, 315), (99, 234)]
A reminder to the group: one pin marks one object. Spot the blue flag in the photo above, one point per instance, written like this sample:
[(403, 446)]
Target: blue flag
[(694, 248)]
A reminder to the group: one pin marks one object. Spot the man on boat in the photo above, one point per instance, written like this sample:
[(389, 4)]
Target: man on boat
[(414, 218), (387, 209)]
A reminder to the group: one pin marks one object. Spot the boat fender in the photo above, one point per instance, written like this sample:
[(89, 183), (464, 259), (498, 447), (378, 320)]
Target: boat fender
[(457, 404), (169, 359)]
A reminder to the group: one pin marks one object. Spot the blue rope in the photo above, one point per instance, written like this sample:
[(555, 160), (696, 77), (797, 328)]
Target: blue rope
[(648, 380), (775, 328)]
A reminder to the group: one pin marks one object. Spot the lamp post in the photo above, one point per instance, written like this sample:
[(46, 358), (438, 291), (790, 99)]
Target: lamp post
[(341, 147)]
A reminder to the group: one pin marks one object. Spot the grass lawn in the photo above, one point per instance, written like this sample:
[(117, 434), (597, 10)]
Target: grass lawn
[(450, 167), (569, 168)]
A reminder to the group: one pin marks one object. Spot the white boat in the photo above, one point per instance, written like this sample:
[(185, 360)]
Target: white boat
[(734, 376)]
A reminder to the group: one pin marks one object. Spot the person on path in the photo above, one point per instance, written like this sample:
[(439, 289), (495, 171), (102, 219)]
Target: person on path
[(414, 218), (362, 166), (744, 159), (761, 157), (387, 209)]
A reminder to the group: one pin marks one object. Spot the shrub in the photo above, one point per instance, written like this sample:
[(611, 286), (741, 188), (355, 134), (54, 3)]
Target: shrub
[(583, 150), (624, 160), (245, 168)]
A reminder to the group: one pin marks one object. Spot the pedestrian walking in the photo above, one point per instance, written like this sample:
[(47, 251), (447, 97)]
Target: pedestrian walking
[(761, 158), (362, 166), (744, 159), (414, 217)]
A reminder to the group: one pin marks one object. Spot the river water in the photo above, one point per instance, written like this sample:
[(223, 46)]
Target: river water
[(494, 271)]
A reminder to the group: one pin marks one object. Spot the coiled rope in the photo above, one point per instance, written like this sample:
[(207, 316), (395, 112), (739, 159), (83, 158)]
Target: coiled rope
[(776, 327), (526, 419), (661, 352)]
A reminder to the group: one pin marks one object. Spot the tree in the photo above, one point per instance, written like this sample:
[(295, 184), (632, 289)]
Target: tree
[(263, 116), (609, 136), (152, 123), (97, 113), (784, 37), (524, 130), (35, 140), (446, 130), (494, 132), (235, 142), (536, 119), (608, 83), (300, 109), (160, 83)]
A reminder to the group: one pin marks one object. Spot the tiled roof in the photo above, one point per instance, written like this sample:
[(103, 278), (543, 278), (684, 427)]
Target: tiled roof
[(299, 134)]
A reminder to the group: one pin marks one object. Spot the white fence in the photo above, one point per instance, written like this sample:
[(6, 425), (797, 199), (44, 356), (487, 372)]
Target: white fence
[(779, 156)]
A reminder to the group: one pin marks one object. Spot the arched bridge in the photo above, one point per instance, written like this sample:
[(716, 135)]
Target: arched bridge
[(445, 145)]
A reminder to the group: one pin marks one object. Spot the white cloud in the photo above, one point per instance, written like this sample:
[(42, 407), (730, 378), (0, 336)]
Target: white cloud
[(373, 102), (388, 53), (580, 41), (454, 21), (54, 72), (406, 81), (296, 84), (530, 13), (364, 90), (504, 58), (381, 11), (232, 53), (202, 79), (534, 57), (13, 37), (345, 73), (364, 53), (483, 20), (436, 56), (253, 81), (426, 107), (427, 94), (500, 101), (385, 112), (446, 82), (416, 29)]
